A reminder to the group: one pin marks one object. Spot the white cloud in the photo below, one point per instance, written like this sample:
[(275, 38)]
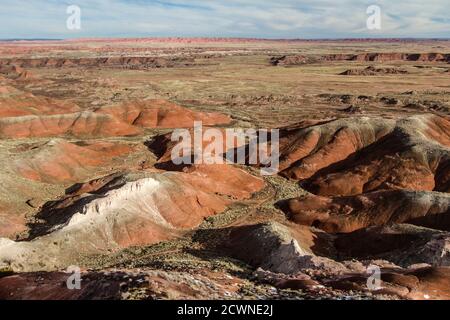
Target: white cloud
[(250, 18)]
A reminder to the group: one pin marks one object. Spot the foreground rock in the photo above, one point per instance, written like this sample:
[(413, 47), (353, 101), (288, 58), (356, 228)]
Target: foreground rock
[(124, 210), (424, 283), (120, 285), (402, 244), (416, 284), (281, 249)]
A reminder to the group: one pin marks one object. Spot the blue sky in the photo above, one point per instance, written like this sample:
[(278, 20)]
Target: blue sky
[(224, 18)]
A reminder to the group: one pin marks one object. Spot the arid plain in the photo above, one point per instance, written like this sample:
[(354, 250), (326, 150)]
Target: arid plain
[(86, 179)]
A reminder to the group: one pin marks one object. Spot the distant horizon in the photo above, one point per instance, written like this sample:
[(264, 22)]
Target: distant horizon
[(228, 38)]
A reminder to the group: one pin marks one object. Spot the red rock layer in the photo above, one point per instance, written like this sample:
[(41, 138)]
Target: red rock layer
[(347, 214), (59, 161), (353, 156), (14, 103), (161, 114), (123, 120), (414, 157)]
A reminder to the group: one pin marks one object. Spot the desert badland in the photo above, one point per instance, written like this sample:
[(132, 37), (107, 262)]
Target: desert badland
[(87, 178)]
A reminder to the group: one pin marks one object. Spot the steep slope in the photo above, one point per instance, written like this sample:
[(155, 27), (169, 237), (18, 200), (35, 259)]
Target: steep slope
[(414, 156)]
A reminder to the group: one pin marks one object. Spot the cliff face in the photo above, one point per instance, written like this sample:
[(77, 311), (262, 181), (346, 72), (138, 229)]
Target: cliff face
[(362, 57)]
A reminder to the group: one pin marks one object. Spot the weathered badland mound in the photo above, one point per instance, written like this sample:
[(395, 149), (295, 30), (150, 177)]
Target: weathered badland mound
[(15, 103), (373, 71), (164, 148), (60, 161), (15, 72), (81, 124), (161, 114), (122, 211), (305, 151), (122, 120), (350, 213), (347, 157), (40, 170), (414, 156)]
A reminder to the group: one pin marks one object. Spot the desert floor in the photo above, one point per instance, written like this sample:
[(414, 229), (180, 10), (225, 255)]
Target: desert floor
[(86, 180)]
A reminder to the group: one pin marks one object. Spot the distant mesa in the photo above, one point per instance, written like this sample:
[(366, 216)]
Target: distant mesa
[(373, 71), (291, 60), (386, 57), (135, 63), (362, 57)]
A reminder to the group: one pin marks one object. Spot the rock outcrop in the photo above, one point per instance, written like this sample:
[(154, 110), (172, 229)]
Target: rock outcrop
[(373, 71), (402, 244), (281, 249)]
